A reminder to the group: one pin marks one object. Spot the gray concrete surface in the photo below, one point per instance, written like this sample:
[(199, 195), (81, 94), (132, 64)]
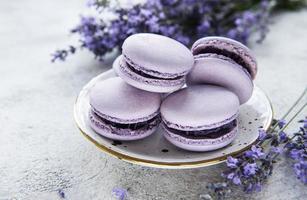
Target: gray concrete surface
[(41, 150)]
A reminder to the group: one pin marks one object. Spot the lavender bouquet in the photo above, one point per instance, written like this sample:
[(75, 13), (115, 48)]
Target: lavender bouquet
[(183, 20), (252, 169)]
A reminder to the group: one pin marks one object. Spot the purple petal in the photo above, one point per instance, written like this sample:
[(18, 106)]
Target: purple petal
[(232, 162), (281, 123), (230, 176), (283, 136), (262, 134), (249, 188), (120, 193), (236, 180), (249, 154), (295, 153), (276, 150), (258, 187), (250, 169)]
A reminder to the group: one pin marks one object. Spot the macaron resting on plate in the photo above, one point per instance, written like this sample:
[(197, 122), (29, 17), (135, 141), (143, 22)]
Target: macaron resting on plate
[(122, 112), (200, 117), (156, 151), (154, 63), (224, 62)]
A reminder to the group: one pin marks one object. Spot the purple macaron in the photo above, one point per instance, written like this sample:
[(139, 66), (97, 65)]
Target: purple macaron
[(115, 64), (154, 63), (224, 62), (122, 112), (200, 117)]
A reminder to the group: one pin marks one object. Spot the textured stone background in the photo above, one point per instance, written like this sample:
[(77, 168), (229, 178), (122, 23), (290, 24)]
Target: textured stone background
[(41, 150)]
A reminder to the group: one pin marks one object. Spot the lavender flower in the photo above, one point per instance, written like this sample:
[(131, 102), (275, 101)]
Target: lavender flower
[(300, 169), (62, 54), (250, 169), (257, 187), (283, 136), (255, 152), (253, 167), (262, 135), (304, 121), (236, 180), (297, 150), (232, 162), (183, 20), (276, 150), (61, 193), (281, 123), (120, 193), (295, 153)]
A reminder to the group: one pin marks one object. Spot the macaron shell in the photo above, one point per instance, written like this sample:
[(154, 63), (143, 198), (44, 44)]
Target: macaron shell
[(115, 64), (119, 102), (200, 145), (217, 71), (229, 45), (148, 84), (199, 107), (101, 128), (156, 54)]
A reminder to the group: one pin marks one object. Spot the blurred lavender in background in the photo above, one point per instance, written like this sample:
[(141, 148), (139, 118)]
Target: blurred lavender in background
[(183, 20)]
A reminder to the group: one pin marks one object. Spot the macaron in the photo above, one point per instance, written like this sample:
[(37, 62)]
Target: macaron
[(224, 62), (232, 49), (115, 65), (154, 62), (122, 112), (200, 117), (220, 70)]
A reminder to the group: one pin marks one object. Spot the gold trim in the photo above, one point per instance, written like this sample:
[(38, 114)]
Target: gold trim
[(175, 165)]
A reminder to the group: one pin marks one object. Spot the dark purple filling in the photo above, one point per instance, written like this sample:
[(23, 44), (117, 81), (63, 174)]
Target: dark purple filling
[(206, 134), (149, 76), (235, 57), (134, 126)]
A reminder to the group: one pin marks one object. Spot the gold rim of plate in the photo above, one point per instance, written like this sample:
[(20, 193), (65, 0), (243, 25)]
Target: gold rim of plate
[(176, 165)]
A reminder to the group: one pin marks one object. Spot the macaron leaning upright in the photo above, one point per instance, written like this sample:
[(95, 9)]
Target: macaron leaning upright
[(200, 117), (154, 62), (224, 62), (122, 112)]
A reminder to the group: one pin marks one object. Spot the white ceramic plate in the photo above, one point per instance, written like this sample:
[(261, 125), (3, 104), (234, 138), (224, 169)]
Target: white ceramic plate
[(156, 151)]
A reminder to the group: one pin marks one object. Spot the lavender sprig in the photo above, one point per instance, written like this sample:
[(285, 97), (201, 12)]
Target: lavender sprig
[(297, 150), (120, 193), (252, 168), (183, 20), (62, 54)]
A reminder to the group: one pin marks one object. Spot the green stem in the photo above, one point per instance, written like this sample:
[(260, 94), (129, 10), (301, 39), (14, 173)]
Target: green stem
[(296, 114), (291, 108), (287, 124), (290, 139), (285, 115)]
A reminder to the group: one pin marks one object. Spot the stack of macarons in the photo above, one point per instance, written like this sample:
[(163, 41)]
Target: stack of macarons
[(204, 88)]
